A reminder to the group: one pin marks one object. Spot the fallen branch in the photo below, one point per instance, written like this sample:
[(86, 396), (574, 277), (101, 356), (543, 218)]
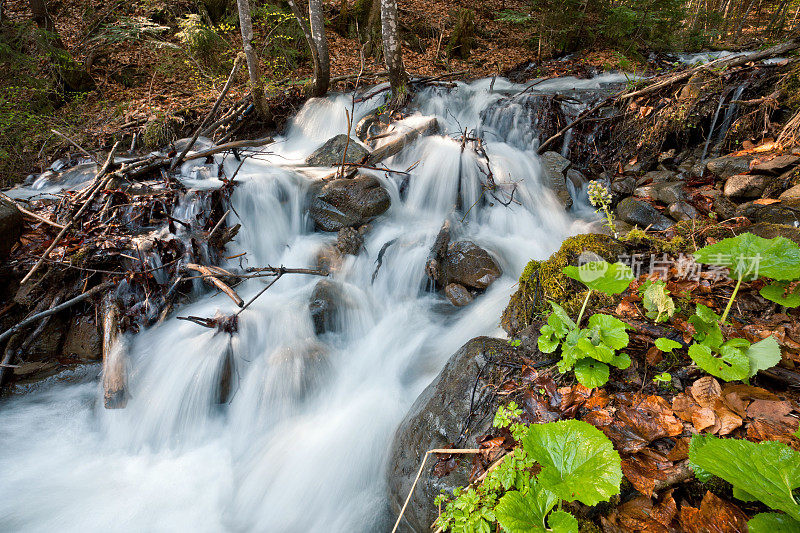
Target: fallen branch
[(208, 275), (31, 213), (53, 310), (99, 186), (236, 63), (419, 473), (76, 145), (11, 353), (115, 375)]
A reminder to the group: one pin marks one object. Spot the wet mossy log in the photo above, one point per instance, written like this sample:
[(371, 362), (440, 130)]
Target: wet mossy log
[(543, 281)]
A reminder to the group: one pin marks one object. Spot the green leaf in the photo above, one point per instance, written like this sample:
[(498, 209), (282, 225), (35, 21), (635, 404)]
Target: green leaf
[(591, 373), (548, 340), (524, 513), (732, 364), (560, 320), (772, 523), (664, 377), (767, 470), (621, 361), (667, 345), (601, 276), (656, 300), (611, 330), (764, 354), (754, 256), (578, 461), (778, 292), (706, 325), (562, 522)]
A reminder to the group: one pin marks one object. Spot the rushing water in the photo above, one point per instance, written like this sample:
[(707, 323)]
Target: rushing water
[(302, 443)]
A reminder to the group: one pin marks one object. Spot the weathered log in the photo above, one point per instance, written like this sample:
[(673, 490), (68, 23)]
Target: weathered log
[(437, 253), (115, 372)]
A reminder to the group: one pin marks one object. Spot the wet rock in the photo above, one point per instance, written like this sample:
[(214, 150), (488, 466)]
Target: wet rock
[(371, 125), (786, 212), (682, 211), (657, 176), (577, 178), (745, 186), (770, 231), (623, 187), (349, 241), (777, 164), (35, 371), (83, 339), (553, 168), (330, 153), (642, 214), (729, 165), (437, 419), (468, 264), (725, 208), (325, 306), (48, 344), (665, 192), (345, 203), (11, 224), (458, 294), (793, 193), (601, 227)]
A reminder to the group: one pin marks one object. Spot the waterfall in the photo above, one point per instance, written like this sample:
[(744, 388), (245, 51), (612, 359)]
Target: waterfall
[(302, 441)]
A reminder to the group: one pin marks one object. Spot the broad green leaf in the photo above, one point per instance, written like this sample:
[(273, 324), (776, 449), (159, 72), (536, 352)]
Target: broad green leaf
[(562, 522), (525, 513), (730, 365), (706, 325), (778, 292), (578, 461), (601, 276), (749, 255), (667, 345), (621, 361), (560, 320), (611, 330), (548, 340), (743, 495), (768, 470), (591, 373), (772, 523), (656, 300), (763, 354)]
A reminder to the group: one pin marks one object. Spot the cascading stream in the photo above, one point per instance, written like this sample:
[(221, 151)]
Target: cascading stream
[(302, 443)]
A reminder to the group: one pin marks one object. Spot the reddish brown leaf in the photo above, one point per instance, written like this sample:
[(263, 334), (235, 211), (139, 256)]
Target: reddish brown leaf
[(640, 514), (714, 516)]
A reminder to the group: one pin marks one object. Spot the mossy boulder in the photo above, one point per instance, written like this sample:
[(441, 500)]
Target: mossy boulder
[(542, 281)]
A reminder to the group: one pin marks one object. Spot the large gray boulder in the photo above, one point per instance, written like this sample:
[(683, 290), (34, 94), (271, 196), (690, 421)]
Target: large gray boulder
[(10, 227), (642, 214), (729, 165), (554, 167), (330, 153), (746, 186), (441, 416), (469, 265), (343, 203)]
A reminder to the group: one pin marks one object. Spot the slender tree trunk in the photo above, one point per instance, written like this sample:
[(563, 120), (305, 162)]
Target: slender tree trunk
[(315, 37), (253, 67), (71, 75), (392, 51), (322, 74)]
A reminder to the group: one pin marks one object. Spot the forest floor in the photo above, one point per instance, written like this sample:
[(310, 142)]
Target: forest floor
[(146, 75)]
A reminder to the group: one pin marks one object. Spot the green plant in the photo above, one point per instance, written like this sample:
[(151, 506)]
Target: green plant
[(664, 377), (729, 360), (656, 300), (578, 463), (667, 345), (589, 351), (767, 472), (750, 255), (600, 197)]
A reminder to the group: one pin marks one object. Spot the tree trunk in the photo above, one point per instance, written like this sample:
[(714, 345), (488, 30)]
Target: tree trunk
[(315, 37), (322, 71), (253, 67), (392, 52), (71, 75)]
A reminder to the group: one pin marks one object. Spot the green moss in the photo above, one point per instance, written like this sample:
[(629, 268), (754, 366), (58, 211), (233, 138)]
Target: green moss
[(640, 238), (542, 281), (463, 35), (159, 132)]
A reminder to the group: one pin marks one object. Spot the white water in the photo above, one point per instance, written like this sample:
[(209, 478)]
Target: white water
[(302, 444)]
